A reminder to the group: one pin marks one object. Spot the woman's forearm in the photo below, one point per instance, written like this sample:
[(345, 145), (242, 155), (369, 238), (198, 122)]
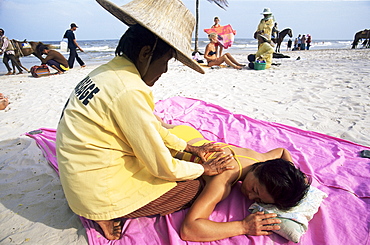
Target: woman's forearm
[(204, 230)]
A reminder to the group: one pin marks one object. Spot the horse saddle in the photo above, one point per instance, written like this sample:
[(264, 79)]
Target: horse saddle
[(26, 45)]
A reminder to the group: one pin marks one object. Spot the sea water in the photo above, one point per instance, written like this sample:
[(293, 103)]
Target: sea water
[(101, 51)]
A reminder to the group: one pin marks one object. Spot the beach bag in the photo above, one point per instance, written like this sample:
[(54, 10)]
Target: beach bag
[(39, 71)]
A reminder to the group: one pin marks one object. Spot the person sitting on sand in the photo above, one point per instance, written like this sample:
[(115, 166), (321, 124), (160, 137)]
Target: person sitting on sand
[(211, 54), (269, 178), (54, 59), (4, 102), (264, 53), (113, 154)]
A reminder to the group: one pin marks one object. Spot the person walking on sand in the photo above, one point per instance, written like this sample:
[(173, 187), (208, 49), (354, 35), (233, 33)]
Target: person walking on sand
[(115, 158), (7, 49), (73, 45), (54, 59), (211, 54)]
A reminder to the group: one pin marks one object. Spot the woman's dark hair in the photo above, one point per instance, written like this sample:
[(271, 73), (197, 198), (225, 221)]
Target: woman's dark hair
[(135, 38), (284, 182)]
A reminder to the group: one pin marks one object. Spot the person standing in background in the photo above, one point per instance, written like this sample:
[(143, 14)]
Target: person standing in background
[(217, 22), (7, 48), (303, 42), (266, 24), (289, 46), (73, 45), (295, 44), (299, 41), (308, 41), (218, 50)]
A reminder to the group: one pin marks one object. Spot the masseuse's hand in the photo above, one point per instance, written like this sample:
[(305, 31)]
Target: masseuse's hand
[(217, 165), (258, 224), (201, 151)]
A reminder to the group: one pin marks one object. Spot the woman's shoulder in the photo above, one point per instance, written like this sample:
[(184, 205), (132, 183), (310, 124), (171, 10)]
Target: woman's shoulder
[(210, 45)]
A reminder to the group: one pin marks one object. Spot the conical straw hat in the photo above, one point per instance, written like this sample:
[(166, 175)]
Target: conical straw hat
[(170, 20)]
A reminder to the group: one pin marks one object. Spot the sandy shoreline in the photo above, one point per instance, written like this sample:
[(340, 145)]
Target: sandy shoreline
[(327, 91)]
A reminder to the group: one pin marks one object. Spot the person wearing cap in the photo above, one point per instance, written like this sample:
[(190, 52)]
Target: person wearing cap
[(73, 45), (54, 59), (264, 53), (115, 158), (6, 48), (266, 24)]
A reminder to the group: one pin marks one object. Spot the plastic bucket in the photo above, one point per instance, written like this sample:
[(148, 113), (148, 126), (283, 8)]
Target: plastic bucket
[(259, 66)]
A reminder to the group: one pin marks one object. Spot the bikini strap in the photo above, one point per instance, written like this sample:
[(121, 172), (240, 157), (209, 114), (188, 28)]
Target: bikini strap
[(240, 166)]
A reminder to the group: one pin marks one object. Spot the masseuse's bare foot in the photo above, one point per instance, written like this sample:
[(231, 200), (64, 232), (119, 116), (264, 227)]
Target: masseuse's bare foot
[(112, 228)]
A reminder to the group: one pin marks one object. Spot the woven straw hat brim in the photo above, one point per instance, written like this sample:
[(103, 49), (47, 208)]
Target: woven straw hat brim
[(170, 20)]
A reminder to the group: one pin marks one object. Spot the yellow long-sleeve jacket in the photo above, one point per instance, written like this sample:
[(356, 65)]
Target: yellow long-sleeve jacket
[(266, 26), (112, 152), (265, 51)]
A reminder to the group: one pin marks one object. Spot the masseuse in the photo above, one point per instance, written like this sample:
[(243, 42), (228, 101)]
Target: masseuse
[(113, 154)]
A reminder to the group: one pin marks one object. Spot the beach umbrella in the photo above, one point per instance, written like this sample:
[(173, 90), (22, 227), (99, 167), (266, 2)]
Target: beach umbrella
[(221, 3)]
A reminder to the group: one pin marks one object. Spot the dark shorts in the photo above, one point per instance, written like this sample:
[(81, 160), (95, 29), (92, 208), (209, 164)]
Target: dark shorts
[(180, 197), (56, 64)]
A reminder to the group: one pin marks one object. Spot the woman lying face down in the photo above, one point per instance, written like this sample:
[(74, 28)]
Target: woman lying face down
[(267, 177)]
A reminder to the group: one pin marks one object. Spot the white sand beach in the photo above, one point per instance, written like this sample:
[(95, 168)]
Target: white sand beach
[(327, 91)]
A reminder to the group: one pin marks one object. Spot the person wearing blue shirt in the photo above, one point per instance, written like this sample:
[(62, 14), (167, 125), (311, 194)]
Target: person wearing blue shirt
[(73, 45)]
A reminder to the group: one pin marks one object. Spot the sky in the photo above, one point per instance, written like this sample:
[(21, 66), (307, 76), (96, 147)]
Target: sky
[(47, 20)]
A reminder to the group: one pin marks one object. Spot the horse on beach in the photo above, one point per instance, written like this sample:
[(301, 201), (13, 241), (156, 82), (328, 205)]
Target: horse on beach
[(364, 34), (280, 38), (25, 48)]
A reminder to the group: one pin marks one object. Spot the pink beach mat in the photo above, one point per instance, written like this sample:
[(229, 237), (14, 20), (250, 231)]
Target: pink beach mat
[(334, 165)]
